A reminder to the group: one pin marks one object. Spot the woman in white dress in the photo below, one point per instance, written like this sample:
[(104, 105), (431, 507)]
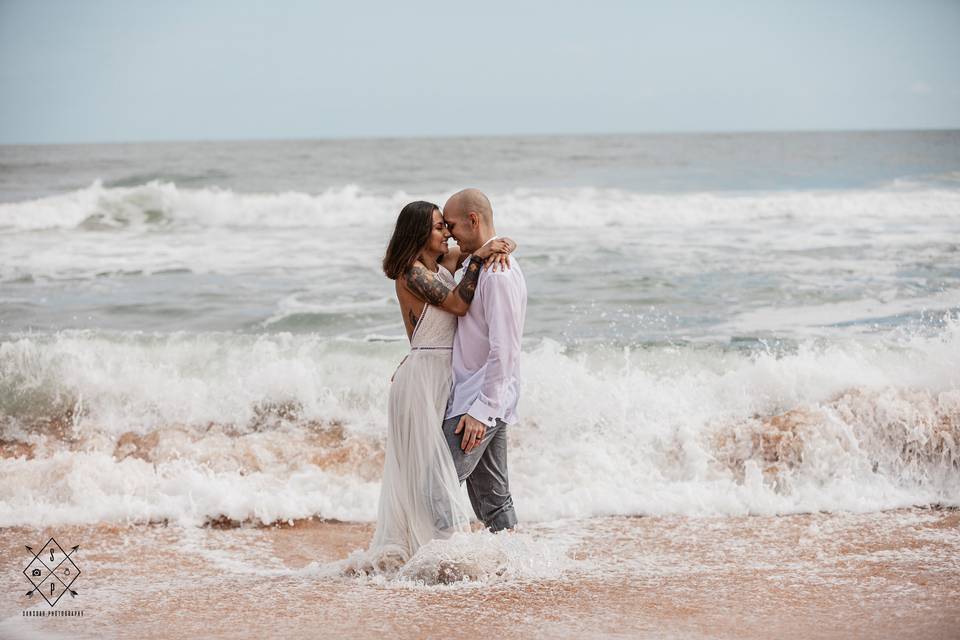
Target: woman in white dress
[(420, 497)]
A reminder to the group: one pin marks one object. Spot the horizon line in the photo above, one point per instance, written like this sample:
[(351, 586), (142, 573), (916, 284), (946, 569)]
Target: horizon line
[(357, 138)]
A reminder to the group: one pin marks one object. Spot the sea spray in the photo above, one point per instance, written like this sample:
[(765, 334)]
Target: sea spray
[(277, 426)]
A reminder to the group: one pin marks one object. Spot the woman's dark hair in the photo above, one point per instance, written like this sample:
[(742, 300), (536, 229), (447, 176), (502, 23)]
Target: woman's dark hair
[(409, 236)]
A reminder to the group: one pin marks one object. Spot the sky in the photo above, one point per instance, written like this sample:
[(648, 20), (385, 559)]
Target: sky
[(105, 71)]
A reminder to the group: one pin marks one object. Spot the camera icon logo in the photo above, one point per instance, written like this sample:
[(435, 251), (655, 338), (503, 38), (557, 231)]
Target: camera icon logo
[(52, 572)]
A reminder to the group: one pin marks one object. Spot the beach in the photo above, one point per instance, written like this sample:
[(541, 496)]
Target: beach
[(879, 575)]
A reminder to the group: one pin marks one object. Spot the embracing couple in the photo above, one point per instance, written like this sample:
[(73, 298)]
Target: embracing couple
[(452, 397)]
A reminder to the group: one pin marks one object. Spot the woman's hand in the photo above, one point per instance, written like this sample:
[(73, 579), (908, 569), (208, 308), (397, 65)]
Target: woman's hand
[(496, 252)]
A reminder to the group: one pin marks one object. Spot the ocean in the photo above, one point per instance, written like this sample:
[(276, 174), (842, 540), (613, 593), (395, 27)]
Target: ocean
[(717, 324), (740, 411)]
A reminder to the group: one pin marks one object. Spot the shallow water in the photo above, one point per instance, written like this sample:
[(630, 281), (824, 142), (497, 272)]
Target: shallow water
[(820, 575)]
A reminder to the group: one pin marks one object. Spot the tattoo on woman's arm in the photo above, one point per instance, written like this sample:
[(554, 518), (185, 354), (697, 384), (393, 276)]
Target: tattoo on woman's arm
[(468, 284), (422, 282)]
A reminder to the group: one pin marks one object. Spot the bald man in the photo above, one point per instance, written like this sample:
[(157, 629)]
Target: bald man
[(486, 372)]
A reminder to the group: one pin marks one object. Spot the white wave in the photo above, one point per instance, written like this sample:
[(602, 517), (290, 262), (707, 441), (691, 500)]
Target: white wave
[(162, 204), (75, 487), (340, 235), (137, 381), (187, 427)]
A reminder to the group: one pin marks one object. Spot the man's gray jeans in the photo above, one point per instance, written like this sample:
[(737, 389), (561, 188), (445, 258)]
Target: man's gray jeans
[(485, 470)]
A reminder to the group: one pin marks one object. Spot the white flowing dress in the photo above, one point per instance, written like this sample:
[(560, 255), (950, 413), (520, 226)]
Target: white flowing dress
[(421, 497)]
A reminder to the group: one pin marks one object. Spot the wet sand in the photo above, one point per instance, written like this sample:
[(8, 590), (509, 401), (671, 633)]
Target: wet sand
[(878, 575)]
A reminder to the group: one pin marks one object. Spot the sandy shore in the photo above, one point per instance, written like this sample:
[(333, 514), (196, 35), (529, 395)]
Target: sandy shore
[(878, 575)]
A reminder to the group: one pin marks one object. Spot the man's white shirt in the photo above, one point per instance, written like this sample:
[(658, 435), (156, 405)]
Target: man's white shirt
[(486, 348)]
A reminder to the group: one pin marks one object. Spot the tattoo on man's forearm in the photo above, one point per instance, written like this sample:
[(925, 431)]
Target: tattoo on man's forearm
[(468, 284), (420, 281)]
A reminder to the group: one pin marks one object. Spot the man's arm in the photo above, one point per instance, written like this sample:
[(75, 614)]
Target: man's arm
[(428, 287), (500, 248)]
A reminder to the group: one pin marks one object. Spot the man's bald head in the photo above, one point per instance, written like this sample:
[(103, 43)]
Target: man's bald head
[(469, 218), (470, 200)]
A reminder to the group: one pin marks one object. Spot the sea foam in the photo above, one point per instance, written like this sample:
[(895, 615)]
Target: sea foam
[(194, 427), (158, 205)]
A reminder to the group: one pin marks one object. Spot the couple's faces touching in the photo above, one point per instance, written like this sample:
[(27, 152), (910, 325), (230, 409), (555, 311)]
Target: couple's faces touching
[(454, 228), (463, 218), (445, 227)]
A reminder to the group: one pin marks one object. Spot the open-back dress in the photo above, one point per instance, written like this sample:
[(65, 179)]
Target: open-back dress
[(421, 497)]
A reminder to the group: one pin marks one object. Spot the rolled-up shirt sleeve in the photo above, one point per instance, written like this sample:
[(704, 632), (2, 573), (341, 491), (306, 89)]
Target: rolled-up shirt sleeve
[(503, 314)]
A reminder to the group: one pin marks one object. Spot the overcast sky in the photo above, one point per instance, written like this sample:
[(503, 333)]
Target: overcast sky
[(85, 71)]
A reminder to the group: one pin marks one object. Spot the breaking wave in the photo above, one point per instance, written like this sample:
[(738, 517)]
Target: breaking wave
[(200, 427), (157, 205)]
